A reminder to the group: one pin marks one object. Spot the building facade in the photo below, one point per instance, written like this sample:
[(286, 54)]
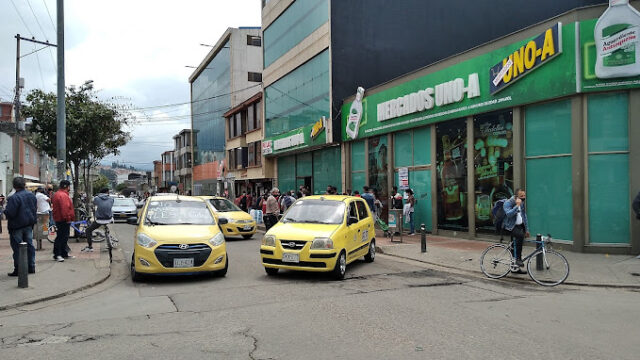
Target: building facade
[(529, 110), (182, 153), (168, 176), (229, 74), (247, 168)]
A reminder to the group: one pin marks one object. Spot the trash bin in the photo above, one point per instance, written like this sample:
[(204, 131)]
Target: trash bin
[(395, 223)]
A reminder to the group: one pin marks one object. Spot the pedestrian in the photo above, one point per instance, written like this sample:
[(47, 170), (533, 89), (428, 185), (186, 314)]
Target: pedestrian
[(43, 206), (242, 201), (515, 221), (63, 215), (368, 197), (396, 199), (249, 201), (103, 215), (2, 200), (411, 201), (286, 200), (21, 216), (272, 209), (329, 190)]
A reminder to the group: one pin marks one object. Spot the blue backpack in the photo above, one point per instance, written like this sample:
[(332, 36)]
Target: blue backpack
[(498, 215)]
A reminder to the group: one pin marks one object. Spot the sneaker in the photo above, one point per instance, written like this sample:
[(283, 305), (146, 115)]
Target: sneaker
[(69, 257), (14, 273), (59, 258), (411, 234), (32, 271), (87, 249)]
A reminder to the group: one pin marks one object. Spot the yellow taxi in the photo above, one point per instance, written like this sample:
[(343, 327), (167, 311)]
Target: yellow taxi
[(177, 235), (320, 234), (239, 223)]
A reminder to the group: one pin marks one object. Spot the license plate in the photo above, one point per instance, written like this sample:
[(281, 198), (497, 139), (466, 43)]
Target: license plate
[(183, 263), (247, 227), (291, 258)]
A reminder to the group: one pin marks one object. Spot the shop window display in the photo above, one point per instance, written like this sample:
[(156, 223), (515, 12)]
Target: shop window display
[(378, 167), (493, 164), (451, 156)]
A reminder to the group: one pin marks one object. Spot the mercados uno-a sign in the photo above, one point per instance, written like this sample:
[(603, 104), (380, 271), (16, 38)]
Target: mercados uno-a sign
[(450, 92), (526, 58)]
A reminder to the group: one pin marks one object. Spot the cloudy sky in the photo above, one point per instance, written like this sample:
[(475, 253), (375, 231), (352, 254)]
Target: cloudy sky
[(136, 51)]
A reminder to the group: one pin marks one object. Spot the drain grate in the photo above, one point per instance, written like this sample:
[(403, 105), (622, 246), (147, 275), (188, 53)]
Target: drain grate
[(635, 274)]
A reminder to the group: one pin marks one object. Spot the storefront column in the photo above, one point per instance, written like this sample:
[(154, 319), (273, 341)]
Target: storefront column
[(434, 181), (518, 149), (390, 171), (346, 166), (471, 179), (578, 170), (634, 165), (366, 163)]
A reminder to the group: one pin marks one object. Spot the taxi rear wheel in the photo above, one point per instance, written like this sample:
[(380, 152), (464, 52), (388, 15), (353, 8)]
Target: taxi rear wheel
[(371, 255), (271, 271), (341, 266)]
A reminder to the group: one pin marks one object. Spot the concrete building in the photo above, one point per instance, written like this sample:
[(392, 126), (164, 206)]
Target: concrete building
[(226, 77), (246, 166), (168, 178), (183, 153)]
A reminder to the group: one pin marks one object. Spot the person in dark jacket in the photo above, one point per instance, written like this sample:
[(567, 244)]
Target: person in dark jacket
[(103, 215), (21, 216), (63, 215)]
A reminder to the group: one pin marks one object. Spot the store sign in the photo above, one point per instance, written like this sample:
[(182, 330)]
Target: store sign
[(403, 178), (267, 147), (467, 87), (526, 58), (289, 141), (318, 127)]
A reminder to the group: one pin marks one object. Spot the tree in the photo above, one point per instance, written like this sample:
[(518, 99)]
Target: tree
[(100, 183), (94, 128), (121, 187)]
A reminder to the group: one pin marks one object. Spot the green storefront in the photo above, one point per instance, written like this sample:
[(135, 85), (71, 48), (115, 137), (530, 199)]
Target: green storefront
[(526, 111)]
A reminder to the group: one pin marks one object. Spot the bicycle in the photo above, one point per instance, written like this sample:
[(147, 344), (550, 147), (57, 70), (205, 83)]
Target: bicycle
[(112, 241), (549, 268)]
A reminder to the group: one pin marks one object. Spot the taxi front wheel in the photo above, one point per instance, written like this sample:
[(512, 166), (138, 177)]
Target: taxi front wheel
[(271, 271), (135, 276), (341, 266)]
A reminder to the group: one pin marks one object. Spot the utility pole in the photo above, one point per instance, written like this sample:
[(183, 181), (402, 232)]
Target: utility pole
[(16, 109), (61, 133)]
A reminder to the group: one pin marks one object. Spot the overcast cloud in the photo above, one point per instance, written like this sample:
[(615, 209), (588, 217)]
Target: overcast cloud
[(135, 51)]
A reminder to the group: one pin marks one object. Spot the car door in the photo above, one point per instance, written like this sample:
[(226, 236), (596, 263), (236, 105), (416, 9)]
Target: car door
[(353, 235), (365, 227)]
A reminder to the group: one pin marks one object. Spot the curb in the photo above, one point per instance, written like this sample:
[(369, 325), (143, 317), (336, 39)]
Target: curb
[(515, 280)]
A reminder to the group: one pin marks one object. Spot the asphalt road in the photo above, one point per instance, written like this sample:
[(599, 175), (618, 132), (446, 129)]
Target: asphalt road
[(391, 309)]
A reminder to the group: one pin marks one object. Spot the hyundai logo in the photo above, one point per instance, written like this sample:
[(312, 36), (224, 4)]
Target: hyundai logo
[(292, 244), (183, 246)]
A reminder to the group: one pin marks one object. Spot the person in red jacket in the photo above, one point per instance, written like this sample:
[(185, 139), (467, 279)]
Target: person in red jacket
[(63, 214)]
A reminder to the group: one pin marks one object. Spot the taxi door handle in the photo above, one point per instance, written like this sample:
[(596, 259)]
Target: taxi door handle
[(359, 230)]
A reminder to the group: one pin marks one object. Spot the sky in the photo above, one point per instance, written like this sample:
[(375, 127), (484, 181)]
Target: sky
[(136, 53)]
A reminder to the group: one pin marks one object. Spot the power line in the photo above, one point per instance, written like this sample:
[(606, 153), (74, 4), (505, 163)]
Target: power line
[(44, 34), (195, 101), (39, 69), (50, 18), (20, 16)]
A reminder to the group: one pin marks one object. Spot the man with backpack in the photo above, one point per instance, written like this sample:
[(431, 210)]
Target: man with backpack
[(286, 200), (515, 221)]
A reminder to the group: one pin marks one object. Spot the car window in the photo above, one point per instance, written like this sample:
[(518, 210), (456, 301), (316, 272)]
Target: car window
[(352, 210), (362, 210), (171, 212), (123, 202), (223, 205), (316, 212)]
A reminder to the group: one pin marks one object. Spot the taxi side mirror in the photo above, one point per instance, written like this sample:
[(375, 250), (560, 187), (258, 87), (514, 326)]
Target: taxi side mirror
[(352, 220), (133, 220), (223, 221)]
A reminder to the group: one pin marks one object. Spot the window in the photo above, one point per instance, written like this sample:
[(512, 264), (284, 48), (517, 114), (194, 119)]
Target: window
[(27, 157), (252, 154), (451, 157), (352, 210), (255, 76), (232, 159), (238, 122), (258, 145), (258, 114), (232, 129), (254, 40), (255, 153), (362, 210), (251, 117)]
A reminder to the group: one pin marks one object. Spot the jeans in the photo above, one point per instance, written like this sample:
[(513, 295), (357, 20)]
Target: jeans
[(517, 236), (16, 237), (411, 223), (51, 222), (62, 237), (94, 225), (270, 220)]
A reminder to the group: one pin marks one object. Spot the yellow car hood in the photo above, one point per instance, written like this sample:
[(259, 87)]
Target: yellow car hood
[(234, 215), (183, 234), (297, 231)]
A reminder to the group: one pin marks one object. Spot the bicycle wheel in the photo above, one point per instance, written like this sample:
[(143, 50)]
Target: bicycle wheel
[(97, 236), (496, 261), (554, 271)]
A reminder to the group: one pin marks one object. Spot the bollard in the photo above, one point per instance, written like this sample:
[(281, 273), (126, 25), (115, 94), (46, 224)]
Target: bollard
[(23, 266), (539, 259), (423, 238)]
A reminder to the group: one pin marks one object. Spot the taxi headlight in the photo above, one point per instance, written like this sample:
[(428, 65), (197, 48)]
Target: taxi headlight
[(217, 240), (145, 241), (269, 240), (322, 243)]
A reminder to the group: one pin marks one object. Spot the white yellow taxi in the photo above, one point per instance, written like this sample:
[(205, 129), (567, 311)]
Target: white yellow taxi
[(239, 223), (177, 235), (320, 234)]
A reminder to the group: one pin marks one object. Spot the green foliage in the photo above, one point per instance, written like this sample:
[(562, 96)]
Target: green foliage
[(121, 187), (100, 183)]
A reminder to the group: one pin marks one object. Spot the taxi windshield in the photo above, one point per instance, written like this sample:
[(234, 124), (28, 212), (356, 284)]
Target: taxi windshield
[(123, 202), (172, 212), (315, 212), (223, 205)]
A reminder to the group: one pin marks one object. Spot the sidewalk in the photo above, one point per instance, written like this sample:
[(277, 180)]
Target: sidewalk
[(52, 279), (464, 255)]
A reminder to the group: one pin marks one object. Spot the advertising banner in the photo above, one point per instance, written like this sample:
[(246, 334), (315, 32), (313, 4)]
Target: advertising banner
[(527, 71), (300, 138)]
